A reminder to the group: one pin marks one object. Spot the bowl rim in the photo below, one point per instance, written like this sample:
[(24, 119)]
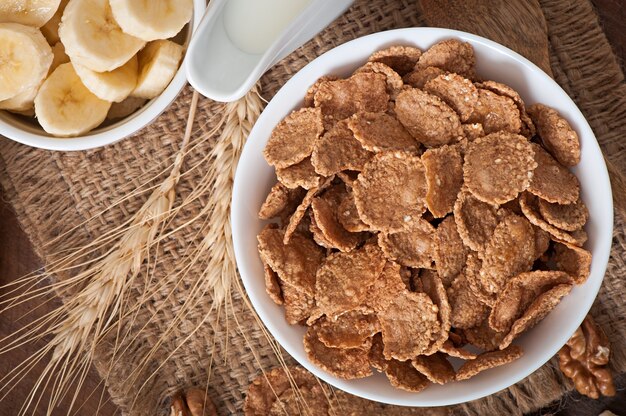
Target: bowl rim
[(115, 132), (601, 254)]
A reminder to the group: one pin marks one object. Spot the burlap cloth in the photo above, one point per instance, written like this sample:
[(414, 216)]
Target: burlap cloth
[(53, 192)]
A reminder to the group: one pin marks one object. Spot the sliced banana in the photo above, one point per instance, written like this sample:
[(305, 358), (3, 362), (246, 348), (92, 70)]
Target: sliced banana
[(23, 101), (65, 107), (114, 86), (125, 108), (154, 19), (93, 39), (26, 113), (158, 64), (25, 58), (28, 12), (59, 57), (51, 29)]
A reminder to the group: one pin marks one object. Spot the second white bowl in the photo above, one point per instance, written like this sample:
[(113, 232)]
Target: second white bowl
[(28, 132)]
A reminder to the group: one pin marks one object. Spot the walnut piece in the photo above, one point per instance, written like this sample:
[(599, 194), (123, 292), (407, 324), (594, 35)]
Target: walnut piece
[(192, 402), (584, 359)]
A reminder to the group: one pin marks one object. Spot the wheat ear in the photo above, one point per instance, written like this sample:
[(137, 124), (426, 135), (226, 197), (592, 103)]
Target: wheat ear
[(79, 324), (215, 250)]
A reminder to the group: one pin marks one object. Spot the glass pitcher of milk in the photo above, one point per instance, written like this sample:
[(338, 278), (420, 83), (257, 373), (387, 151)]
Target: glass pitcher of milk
[(238, 40)]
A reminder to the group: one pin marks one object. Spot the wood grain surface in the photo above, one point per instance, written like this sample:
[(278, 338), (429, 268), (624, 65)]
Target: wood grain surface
[(17, 259)]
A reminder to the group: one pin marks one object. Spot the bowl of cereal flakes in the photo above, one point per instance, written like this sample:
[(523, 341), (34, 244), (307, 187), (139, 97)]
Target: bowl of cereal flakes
[(422, 217)]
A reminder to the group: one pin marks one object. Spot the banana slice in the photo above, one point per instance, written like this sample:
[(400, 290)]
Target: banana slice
[(125, 108), (51, 29), (25, 58), (154, 19), (114, 86), (23, 101), (59, 57), (93, 39), (28, 12), (65, 107), (158, 63)]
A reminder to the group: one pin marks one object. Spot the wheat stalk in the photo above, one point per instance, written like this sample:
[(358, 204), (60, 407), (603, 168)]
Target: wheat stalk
[(80, 323), (220, 270), (214, 252)]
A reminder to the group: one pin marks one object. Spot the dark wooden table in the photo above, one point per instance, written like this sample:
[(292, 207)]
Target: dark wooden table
[(17, 259)]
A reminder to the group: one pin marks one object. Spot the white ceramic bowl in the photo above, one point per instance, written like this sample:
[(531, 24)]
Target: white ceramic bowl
[(255, 177), (30, 133)]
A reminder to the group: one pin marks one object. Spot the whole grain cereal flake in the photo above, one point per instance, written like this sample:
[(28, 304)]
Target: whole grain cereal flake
[(272, 285), (386, 287), (309, 98), (346, 363), (389, 193), (472, 274), (348, 177), (281, 202), (451, 55), (412, 247), (400, 58), (300, 212), (408, 325), (429, 120), (403, 375), (348, 215), (530, 208), (456, 91), (376, 357), (343, 279), (519, 293), (473, 131), (537, 310), (552, 181), (394, 80), (379, 132), (570, 217), (299, 304), (353, 329), (338, 150), (432, 285), (296, 262), (484, 337), (325, 212), (542, 241), (293, 138), (510, 251), (421, 75), (466, 310), (444, 178), (498, 167), (557, 134), (435, 367), (451, 350), (300, 175), (576, 261), (528, 127), (450, 254), (488, 360), (496, 113), (265, 389), (475, 220), (318, 236), (365, 91)]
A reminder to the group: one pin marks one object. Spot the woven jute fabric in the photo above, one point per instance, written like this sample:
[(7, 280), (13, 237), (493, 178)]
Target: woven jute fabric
[(54, 193)]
